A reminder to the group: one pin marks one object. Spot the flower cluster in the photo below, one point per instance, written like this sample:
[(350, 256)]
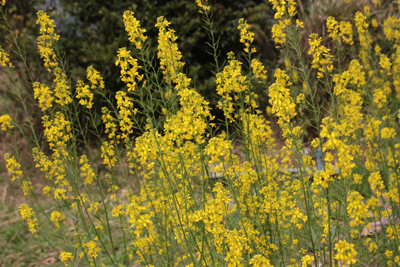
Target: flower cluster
[(28, 215), (246, 36), (322, 59), (13, 166), (129, 68), (343, 29), (5, 122), (44, 95), (47, 39), (4, 58), (135, 32), (202, 6), (195, 200), (282, 103), (345, 252)]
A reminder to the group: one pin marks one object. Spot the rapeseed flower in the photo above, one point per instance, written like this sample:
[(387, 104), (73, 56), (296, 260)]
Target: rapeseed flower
[(46, 40), (5, 122), (202, 6), (28, 215), (345, 252), (4, 58), (44, 95), (282, 103), (65, 257), (13, 166), (135, 32)]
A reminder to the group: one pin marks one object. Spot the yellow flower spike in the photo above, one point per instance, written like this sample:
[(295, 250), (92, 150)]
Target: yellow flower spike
[(27, 187), (129, 68), (246, 36), (278, 32), (333, 28), (109, 122), (3, 2), (43, 94), (13, 166), (258, 69), (107, 154), (282, 103), (4, 58), (361, 25), (46, 39), (135, 32), (346, 32), (84, 94), (321, 55), (27, 214), (202, 6)]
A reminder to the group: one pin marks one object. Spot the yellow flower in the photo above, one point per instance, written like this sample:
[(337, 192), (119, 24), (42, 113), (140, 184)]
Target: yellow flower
[(356, 208), (322, 58), (13, 166), (3, 2), (345, 252), (118, 211), (56, 217), (65, 257), (109, 122), (86, 170), (60, 194), (107, 153), (27, 187), (91, 249), (306, 261), (132, 26), (129, 68), (388, 133), (27, 214), (62, 89), (299, 23), (389, 253), (246, 36), (282, 103), (44, 94), (94, 77), (278, 32), (374, 23), (5, 122), (333, 28), (385, 63), (201, 5), (361, 25), (346, 32), (57, 130), (84, 94), (258, 69), (260, 261), (168, 52), (4, 58), (367, 10), (46, 39)]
